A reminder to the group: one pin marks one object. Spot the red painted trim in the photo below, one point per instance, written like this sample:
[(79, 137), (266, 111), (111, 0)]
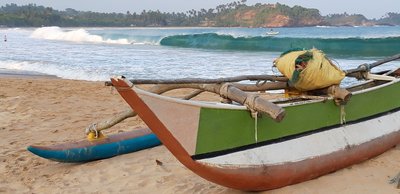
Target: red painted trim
[(260, 177)]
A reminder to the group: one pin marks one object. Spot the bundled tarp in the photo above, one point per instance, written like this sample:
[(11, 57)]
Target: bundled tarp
[(308, 69)]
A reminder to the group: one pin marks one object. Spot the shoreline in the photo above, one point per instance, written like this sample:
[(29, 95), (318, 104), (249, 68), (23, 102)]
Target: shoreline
[(37, 109), (199, 27), (7, 73)]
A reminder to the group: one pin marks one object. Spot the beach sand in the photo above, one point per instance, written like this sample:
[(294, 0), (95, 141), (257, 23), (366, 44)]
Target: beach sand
[(44, 110)]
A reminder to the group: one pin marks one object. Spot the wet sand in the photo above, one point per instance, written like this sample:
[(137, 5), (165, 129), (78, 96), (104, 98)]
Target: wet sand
[(44, 110)]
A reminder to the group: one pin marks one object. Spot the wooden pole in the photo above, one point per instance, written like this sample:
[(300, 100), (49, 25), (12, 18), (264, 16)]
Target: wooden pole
[(367, 67), (119, 117), (233, 92), (105, 124), (262, 87), (192, 95), (340, 95), (207, 81), (253, 102), (349, 72), (211, 87)]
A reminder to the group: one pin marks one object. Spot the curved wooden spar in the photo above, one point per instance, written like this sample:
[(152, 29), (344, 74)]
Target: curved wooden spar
[(207, 81), (161, 88), (233, 91), (367, 67), (119, 117), (251, 101), (363, 67)]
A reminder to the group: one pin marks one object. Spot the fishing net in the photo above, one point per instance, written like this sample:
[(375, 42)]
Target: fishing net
[(308, 69)]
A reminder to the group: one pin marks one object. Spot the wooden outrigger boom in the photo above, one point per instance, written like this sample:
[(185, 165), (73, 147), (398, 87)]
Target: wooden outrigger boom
[(277, 82)]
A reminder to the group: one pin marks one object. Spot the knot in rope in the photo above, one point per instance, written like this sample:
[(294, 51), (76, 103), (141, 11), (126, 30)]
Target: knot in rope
[(223, 90), (254, 114), (251, 101), (92, 128), (251, 104), (365, 67), (260, 82)]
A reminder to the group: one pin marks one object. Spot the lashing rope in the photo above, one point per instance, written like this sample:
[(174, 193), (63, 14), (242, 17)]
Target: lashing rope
[(342, 115), (254, 114), (92, 128)]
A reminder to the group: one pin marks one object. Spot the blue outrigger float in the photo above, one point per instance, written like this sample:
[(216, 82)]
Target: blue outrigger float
[(107, 147)]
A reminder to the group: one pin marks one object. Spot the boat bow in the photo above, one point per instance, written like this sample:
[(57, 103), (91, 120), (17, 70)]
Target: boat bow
[(220, 142)]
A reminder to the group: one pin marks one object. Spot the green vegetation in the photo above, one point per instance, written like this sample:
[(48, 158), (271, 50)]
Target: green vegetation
[(232, 14), (268, 15), (347, 20), (390, 19)]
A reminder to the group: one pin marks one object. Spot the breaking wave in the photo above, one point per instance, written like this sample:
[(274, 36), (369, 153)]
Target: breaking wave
[(385, 46), (54, 69), (79, 35)]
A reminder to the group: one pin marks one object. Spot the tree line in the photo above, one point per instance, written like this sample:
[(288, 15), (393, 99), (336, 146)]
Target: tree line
[(226, 15)]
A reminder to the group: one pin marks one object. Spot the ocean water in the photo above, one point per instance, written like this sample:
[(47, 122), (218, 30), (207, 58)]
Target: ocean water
[(96, 54)]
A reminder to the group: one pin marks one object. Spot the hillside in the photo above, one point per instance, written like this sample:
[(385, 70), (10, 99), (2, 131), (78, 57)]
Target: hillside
[(269, 15)]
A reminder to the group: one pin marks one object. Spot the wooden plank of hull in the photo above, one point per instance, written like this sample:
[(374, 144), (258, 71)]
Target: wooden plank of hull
[(311, 145), (84, 151), (263, 176), (228, 129)]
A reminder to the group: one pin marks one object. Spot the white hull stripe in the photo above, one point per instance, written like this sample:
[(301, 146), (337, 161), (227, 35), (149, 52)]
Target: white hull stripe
[(314, 145)]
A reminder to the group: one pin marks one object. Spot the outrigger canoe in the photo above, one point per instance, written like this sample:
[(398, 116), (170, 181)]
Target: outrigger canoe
[(272, 33), (110, 146), (224, 144)]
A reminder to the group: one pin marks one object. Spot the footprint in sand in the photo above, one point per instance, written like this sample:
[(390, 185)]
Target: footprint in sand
[(21, 159)]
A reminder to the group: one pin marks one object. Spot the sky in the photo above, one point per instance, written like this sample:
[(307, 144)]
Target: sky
[(369, 8)]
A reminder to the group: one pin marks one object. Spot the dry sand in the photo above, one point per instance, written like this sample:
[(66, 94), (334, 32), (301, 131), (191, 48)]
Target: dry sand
[(40, 110)]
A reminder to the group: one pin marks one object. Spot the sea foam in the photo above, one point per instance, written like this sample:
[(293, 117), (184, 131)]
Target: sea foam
[(78, 35), (48, 68)]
